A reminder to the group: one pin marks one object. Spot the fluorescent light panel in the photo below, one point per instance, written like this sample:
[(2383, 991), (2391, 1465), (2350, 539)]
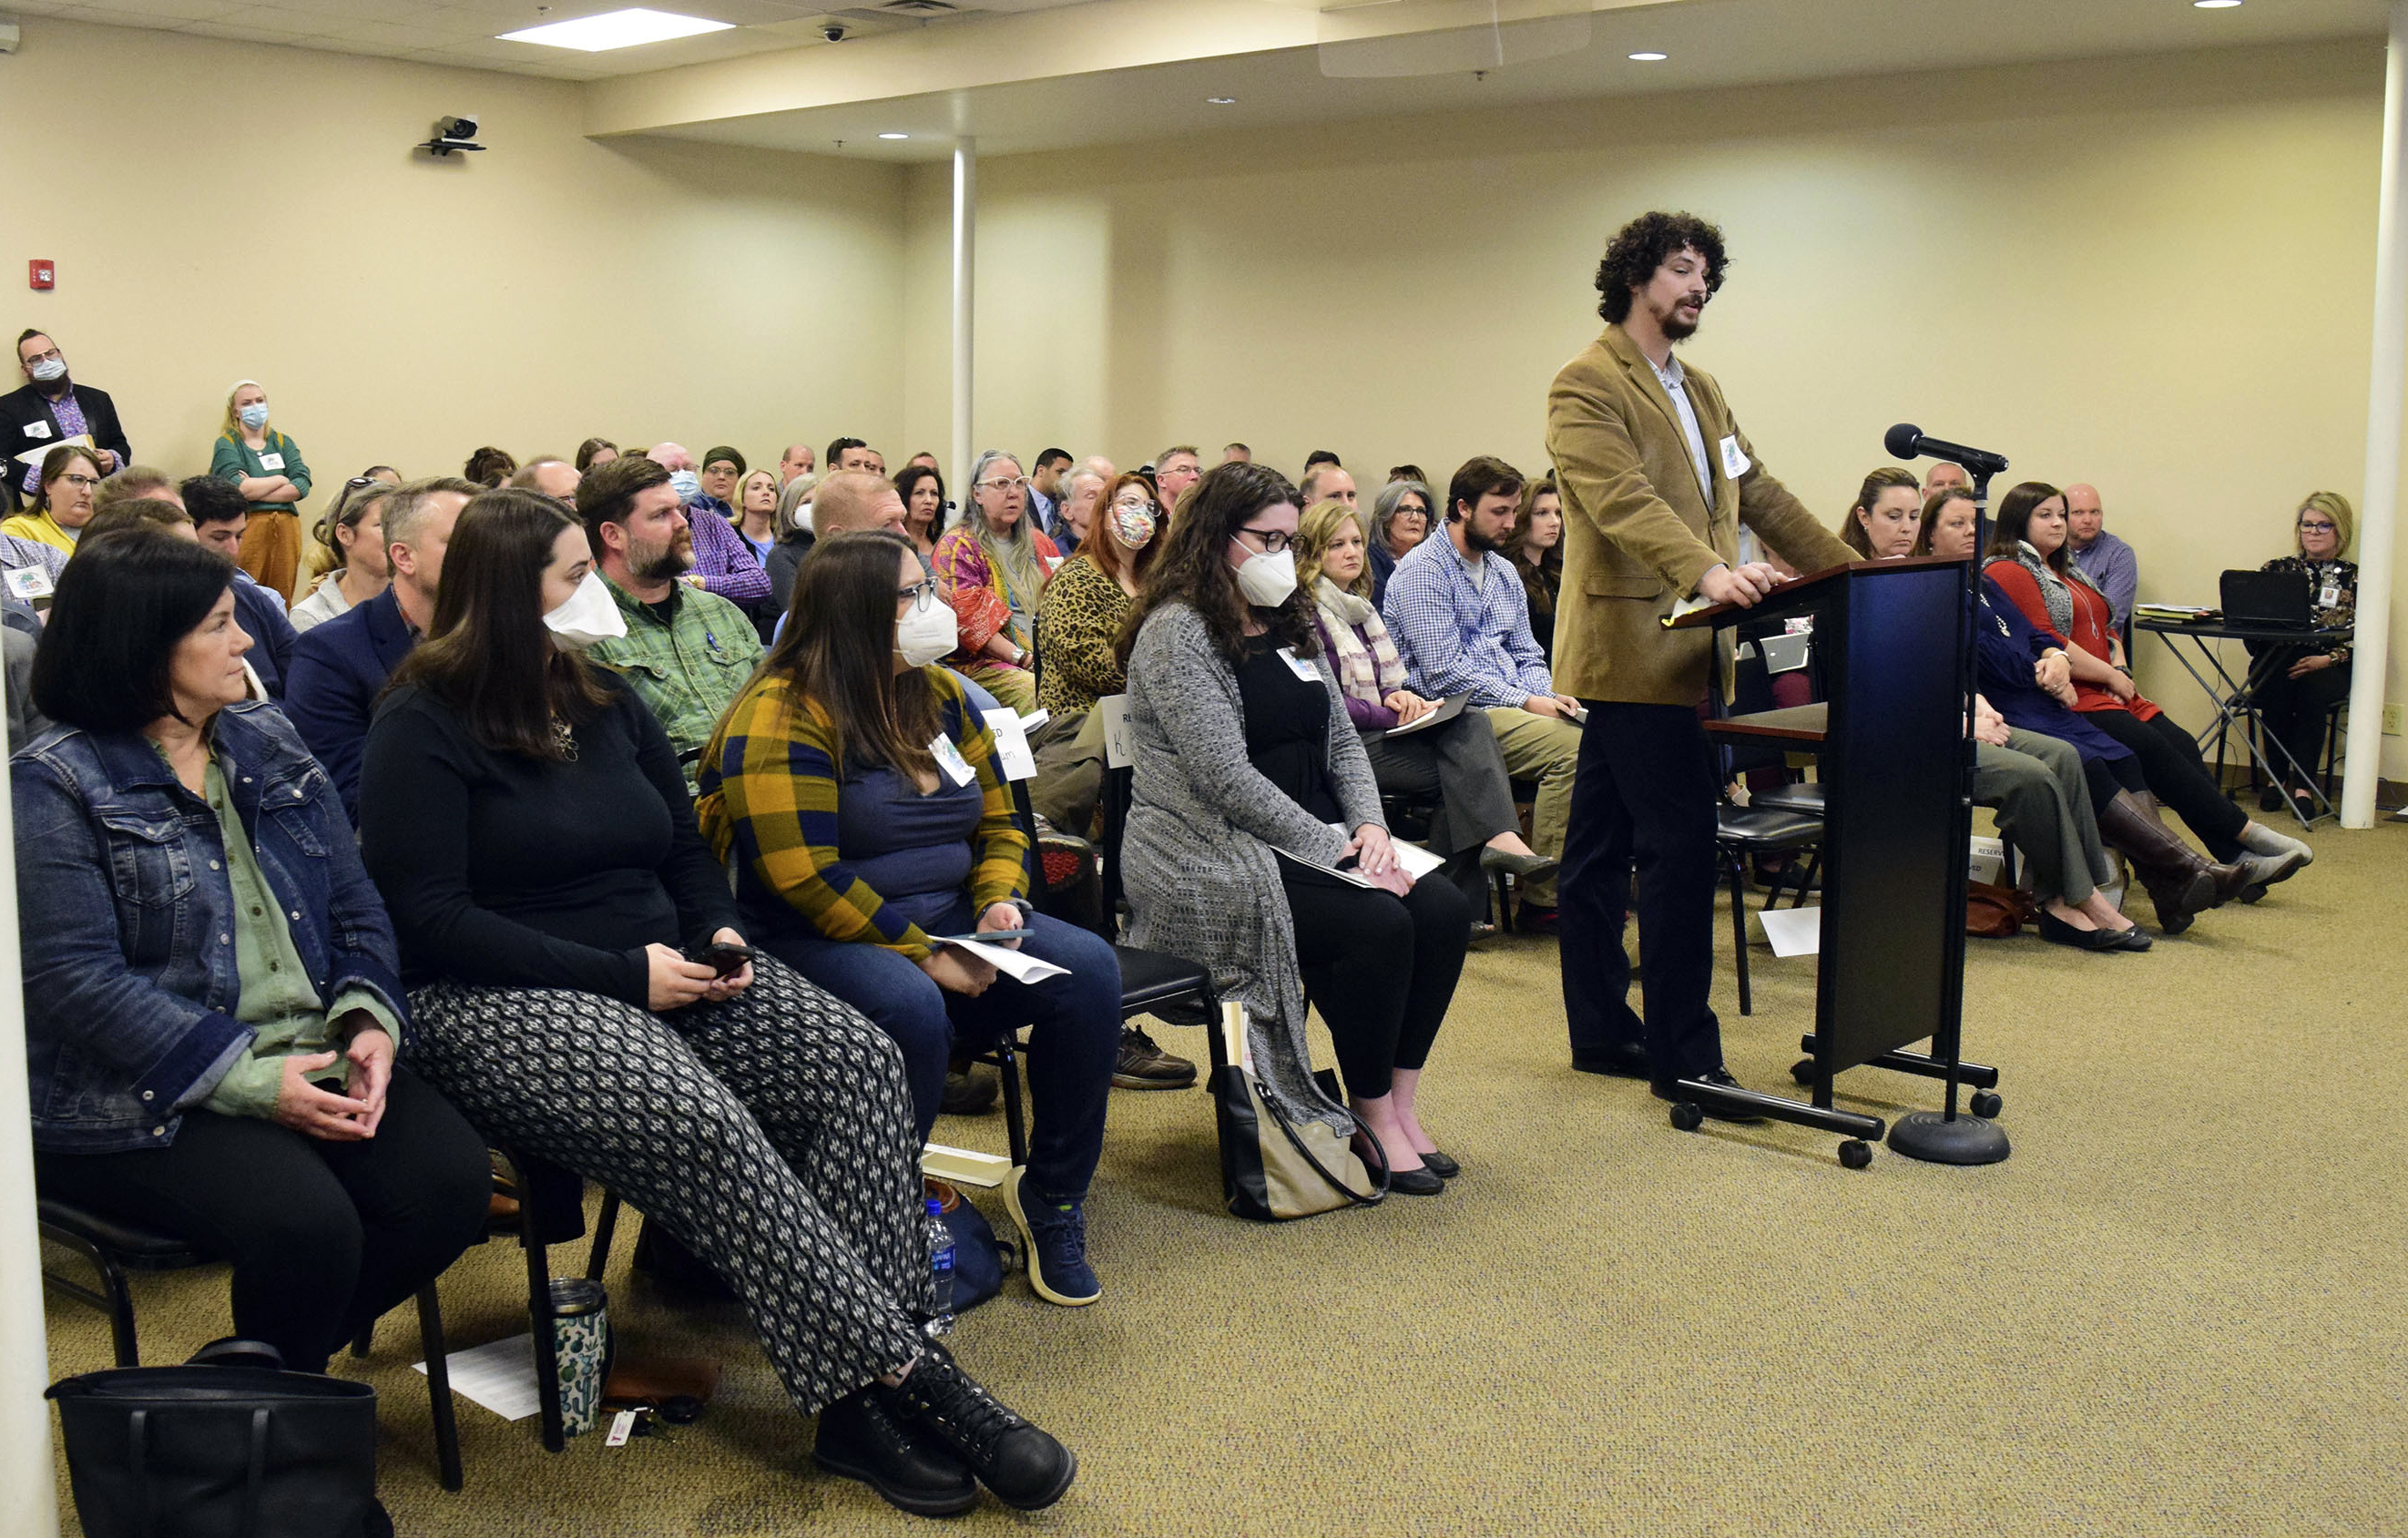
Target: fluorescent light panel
[(615, 29)]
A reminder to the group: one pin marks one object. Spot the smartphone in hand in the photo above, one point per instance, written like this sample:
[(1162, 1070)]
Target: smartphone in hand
[(724, 959)]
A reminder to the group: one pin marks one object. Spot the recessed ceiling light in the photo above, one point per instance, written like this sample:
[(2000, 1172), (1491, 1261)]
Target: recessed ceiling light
[(615, 29), (1220, 101), (2214, 4), (1649, 58), (894, 135)]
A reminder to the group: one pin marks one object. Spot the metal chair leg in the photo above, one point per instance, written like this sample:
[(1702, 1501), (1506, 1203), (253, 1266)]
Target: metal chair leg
[(1008, 1061), (438, 1388), (547, 1361), (1738, 931), (1814, 869), (604, 1227)]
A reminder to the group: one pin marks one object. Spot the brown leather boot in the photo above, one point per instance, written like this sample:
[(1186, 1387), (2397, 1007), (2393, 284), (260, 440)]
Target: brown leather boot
[(2180, 881)]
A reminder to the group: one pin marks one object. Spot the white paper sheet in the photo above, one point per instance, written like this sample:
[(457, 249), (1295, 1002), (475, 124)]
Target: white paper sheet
[(1416, 860), (1017, 964), (1447, 710), (41, 450), (1794, 931), (1115, 711), (1012, 750), (499, 1375)]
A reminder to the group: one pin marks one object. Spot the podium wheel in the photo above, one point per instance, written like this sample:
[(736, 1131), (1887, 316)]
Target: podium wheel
[(1854, 1155), (1686, 1116), (1802, 1070), (1988, 1105)]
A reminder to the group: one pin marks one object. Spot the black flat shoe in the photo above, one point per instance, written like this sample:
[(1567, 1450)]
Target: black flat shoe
[(2056, 932), (2134, 938), (2270, 799), (1628, 1062), (1421, 1182), (1441, 1165), (1721, 1078)]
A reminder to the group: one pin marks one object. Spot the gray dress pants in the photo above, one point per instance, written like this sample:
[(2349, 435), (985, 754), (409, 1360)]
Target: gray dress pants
[(1461, 765), (2035, 785)]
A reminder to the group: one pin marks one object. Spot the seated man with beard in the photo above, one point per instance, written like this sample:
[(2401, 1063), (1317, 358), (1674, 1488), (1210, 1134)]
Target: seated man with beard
[(684, 650)]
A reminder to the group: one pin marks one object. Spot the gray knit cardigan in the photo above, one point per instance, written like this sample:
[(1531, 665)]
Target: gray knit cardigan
[(1195, 860)]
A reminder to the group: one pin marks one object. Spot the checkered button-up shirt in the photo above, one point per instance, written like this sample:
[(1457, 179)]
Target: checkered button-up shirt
[(1455, 635)]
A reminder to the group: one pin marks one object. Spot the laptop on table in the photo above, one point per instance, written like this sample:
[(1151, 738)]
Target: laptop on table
[(2271, 600)]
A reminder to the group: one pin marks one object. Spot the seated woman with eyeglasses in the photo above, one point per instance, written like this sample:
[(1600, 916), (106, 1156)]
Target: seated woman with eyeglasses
[(992, 570), (583, 992), (62, 504), (1457, 761), (857, 790), (1400, 520), (1252, 783), (213, 1007), (2299, 685), (349, 563)]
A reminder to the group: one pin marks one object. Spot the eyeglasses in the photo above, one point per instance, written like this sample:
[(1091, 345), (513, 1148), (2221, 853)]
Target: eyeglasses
[(83, 483), (919, 595), (1021, 481), (1274, 540), (52, 356), (2308, 528)]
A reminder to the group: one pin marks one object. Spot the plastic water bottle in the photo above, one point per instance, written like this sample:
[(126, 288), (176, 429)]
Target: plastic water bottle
[(940, 1270)]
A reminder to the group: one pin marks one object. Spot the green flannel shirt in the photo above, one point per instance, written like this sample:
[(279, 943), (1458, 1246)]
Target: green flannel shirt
[(769, 791), (687, 668)]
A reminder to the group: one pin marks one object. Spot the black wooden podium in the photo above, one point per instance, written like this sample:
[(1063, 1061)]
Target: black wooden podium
[(1895, 763)]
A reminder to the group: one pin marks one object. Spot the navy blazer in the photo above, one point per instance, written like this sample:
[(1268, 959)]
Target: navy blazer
[(330, 691), (2005, 646), (26, 405), (272, 635)]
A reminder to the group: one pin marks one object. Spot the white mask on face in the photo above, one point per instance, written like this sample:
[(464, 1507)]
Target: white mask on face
[(590, 616), (926, 631), (49, 369), (1267, 580)]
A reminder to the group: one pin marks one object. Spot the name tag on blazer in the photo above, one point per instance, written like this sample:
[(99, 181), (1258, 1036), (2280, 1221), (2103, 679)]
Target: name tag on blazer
[(1735, 461)]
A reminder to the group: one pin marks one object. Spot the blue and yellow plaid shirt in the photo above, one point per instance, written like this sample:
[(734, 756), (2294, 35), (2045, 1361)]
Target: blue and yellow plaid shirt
[(769, 788)]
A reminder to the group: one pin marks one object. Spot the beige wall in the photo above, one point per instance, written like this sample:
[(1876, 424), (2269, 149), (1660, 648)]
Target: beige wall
[(247, 210), (2152, 273)]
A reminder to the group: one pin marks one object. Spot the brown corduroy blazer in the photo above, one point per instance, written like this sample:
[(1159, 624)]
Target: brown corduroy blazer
[(1638, 537)]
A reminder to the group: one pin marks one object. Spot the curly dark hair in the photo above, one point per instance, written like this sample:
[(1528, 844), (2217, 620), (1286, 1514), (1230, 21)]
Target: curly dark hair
[(1193, 567), (1641, 246)]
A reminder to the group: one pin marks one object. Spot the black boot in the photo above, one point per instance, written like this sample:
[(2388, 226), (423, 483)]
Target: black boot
[(861, 1437), (1025, 1468)]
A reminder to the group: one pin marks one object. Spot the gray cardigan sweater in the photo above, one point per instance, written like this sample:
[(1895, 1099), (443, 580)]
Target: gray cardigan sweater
[(1195, 860)]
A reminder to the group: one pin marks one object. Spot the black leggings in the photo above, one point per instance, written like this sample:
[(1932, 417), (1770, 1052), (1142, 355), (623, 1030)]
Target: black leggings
[(1381, 969), (2296, 710), (323, 1236), (2169, 762), (2105, 777)]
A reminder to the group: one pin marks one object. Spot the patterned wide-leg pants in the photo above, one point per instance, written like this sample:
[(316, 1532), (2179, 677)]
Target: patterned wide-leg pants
[(770, 1134)]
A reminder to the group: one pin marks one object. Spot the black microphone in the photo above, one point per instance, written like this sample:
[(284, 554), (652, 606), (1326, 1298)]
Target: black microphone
[(1907, 441)]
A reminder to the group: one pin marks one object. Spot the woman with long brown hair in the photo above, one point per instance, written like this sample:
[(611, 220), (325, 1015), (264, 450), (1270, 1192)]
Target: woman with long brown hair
[(1253, 792), (857, 790), (581, 988)]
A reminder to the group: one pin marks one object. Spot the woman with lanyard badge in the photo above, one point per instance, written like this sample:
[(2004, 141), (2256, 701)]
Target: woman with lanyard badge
[(265, 466)]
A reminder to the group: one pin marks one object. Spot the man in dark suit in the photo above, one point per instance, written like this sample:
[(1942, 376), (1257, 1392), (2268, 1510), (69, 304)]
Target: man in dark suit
[(50, 407), (341, 667)]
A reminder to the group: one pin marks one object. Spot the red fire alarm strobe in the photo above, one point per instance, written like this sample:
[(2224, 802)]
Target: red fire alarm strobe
[(40, 274)]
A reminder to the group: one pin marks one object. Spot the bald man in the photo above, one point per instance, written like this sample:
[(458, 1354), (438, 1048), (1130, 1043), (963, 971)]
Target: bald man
[(855, 499), (800, 459), (2113, 567), (1328, 481), (1945, 474)]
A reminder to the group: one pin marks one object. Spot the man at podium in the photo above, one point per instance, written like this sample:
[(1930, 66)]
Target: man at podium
[(1657, 479)]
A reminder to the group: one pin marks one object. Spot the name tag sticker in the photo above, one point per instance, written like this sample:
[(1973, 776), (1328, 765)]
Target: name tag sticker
[(957, 766), (27, 582), (37, 430), (2329, 596), (276, 462), (1298, 666), (1012, 750), (1735, 461)]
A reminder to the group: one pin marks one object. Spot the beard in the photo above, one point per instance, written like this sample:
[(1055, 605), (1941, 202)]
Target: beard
[(662, 563), (1474, 539), (1676, 326)]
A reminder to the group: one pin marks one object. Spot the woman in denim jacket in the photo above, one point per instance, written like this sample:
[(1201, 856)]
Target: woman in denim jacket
[(212, 1004)]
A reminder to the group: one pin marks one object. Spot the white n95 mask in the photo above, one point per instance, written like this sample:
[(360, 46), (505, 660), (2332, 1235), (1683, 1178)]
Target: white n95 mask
[(1266, 578), (927, 631), (590, 616)]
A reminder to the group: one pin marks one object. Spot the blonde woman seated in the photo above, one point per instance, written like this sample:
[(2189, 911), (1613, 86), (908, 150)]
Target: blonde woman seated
[(348, 561), (1458, 761), (991, 572)]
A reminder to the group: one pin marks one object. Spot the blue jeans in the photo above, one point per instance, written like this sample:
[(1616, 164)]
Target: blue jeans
[(1074, 1043)]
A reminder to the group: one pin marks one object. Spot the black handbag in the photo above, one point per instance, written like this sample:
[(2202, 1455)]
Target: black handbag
[(213, 1449)]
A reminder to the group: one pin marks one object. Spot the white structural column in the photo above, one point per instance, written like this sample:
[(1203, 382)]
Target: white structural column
[(2371, 646), (28, 1498), (965, 280)]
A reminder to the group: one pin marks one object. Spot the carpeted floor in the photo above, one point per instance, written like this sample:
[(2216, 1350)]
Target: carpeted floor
[(2178, 1308)]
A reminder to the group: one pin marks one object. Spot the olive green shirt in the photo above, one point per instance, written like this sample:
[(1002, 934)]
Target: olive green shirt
[(278, 1000)]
